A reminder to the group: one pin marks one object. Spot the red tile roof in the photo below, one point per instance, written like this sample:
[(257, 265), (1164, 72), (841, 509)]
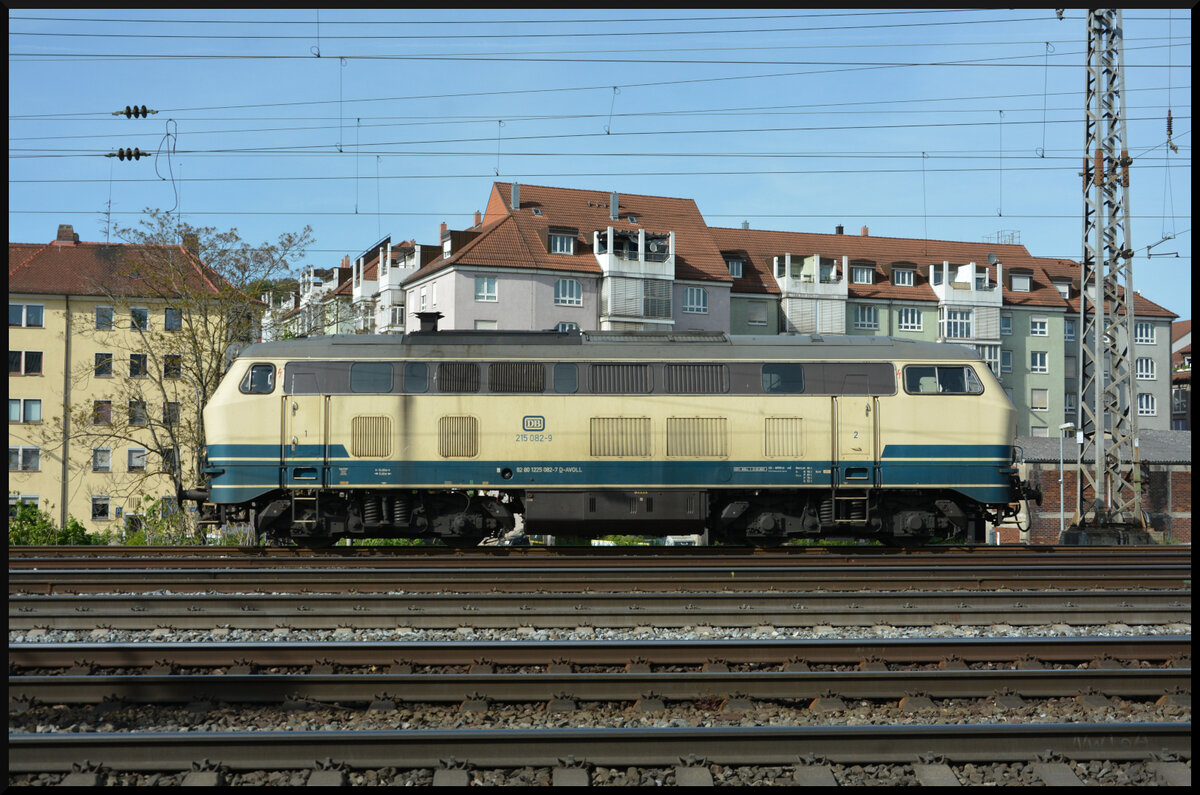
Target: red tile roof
[(513, 238), (100, 269)]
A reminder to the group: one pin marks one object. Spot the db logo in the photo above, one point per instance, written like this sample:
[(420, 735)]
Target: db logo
[(533, 423)]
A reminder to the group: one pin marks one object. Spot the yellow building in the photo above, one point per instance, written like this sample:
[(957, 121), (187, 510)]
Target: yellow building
[(98, 404)]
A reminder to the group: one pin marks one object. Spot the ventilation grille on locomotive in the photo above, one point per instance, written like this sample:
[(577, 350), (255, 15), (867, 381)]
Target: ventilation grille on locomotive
[(616, 379), (458, 437), (697, 437), (783, 437), (517, 377), (621, 436), (371, 437)]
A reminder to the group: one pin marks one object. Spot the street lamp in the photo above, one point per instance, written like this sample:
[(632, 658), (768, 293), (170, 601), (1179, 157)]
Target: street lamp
[(1062, 518)]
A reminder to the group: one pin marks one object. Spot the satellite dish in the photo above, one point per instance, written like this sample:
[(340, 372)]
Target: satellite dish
[(991, 258)]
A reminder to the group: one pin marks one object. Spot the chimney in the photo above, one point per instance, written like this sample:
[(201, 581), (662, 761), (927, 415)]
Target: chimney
[(478, 218), (191, 242), (839, 230), (429, 320), (66, 234), (865, 232), (745, 224), (443, 233), (613, 212), (516, 196)]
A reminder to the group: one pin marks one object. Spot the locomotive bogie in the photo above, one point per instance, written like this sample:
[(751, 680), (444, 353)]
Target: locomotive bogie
[(758, 440)]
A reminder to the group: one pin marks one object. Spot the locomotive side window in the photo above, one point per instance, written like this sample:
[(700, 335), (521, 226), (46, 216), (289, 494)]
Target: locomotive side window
[(566, 379), (371, 377), (783, 378), (416, 377), (942, 379), (259, 380)]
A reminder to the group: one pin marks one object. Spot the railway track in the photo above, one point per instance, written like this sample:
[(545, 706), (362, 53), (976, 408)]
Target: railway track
[(638, 655), (670, 709)]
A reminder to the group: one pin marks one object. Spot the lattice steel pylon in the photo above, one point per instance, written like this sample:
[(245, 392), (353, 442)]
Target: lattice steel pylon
[(1107, 398)]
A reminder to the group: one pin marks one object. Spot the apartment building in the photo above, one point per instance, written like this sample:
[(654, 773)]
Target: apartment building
[(86, 413)]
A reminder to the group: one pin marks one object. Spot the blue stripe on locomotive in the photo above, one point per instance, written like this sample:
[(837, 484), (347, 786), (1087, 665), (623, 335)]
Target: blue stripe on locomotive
[(981, 472)]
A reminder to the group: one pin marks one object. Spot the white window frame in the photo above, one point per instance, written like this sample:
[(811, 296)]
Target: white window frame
[(905, 319), (1146, 371), (1039, 326), (956, 321), (1064, 289), (1068, 329), (991, 356), (1070, 404), (568, 292), (1006, 325), (179, 318), (753, 308), (25, 315), (866, 316), (562, 244), (23, 405), (130, 454), (111, 318), (108, 452), (1021, 282), (486, 289), (1006, 359), (1147, 405), (1045, 403), (1144, 332), (904, 277), (1039, 361), (145, 365), (133, 326), (21, 450), (862, 274), (735, 267), (695, 301)]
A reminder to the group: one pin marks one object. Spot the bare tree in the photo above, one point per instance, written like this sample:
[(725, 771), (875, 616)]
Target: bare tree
[(185, 298)]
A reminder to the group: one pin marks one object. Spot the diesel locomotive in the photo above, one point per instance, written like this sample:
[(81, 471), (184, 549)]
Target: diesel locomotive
[(452, 435)]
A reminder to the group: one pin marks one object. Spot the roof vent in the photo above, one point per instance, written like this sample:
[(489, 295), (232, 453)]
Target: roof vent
[(429, 320)]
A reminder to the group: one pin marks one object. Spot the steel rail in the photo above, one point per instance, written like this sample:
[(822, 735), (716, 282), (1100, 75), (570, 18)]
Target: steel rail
[(274, 750), (599, 578), (330, 611), (1160, 649), (602, 687), (181, 557)]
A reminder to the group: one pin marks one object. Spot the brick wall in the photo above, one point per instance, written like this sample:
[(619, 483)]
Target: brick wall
[(1166, 496)]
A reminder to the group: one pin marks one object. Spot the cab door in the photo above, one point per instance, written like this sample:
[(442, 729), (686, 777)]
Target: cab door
[(305, 458), (855, 455)]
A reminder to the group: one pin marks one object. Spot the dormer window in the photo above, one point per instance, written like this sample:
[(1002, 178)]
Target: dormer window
[(1020, 282), (562, 244), (903, 277), (862, 275), (1064, 289), (633, 219), (735, 267)]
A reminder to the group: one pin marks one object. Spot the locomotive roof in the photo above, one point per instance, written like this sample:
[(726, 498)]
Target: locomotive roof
[(590, 345)]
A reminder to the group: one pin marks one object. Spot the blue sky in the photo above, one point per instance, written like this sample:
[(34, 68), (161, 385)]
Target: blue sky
[(948, 124)]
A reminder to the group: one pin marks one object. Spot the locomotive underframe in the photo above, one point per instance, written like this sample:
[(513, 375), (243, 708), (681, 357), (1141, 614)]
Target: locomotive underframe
[(761, 517)]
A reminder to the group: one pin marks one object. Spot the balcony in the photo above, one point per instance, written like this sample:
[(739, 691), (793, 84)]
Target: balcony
[(635, 253)]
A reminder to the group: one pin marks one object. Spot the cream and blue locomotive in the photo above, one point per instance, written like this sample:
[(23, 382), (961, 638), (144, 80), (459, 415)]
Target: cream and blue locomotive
[(451, 435)]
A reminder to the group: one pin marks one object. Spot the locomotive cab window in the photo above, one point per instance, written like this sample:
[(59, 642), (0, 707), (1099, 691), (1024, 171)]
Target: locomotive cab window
[(783, 378), (942, 379), (259, 380), (566, 378)]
